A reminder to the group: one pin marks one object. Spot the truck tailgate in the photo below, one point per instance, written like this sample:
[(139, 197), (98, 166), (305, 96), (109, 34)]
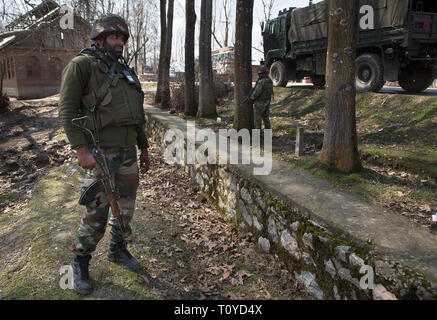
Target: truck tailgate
[(423, 26)]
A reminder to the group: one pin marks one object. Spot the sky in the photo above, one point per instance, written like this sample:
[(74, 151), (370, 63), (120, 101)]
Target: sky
[(258, 17)]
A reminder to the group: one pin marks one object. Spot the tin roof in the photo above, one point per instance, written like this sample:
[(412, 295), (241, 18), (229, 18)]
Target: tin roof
[(46, 12)]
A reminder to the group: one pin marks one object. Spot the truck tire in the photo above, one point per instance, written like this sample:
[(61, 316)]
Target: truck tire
[(415, 77), (277, 74), (318, 81), (369, 73)]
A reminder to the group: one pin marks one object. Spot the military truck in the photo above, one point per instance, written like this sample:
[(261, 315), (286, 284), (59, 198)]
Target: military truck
[(400, 45)]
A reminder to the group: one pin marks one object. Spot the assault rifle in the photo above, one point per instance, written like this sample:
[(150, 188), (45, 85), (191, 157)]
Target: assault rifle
[(246, 99), (105, 181), (251, 92)]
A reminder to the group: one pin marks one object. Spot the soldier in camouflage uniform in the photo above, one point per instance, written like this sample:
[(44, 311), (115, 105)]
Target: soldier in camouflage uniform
[(120, 126), (262, 95)]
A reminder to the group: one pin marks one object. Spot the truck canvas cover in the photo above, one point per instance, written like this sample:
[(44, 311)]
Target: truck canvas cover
[(311, 23)]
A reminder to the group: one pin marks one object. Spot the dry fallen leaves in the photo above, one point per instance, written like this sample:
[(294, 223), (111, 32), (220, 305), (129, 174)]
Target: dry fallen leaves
[(225, 275), (239, 277)]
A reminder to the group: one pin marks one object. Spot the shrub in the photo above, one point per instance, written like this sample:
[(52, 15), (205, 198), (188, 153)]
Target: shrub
[(177, 100), (223, 88)]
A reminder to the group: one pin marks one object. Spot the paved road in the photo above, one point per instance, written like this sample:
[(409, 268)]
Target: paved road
[(387, 90), (398, 90)]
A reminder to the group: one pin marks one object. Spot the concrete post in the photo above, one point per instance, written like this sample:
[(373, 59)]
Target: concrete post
[(299, 142)]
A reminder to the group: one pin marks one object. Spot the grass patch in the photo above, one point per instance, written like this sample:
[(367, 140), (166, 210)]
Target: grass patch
[(370, 185), (61, 136), (5, 197), (397, 142), (413, 162), (146, 85), (44, 231)]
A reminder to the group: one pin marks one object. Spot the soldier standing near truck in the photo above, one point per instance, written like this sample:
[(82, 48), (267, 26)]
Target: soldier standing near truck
[(261, 96), (98, 85)]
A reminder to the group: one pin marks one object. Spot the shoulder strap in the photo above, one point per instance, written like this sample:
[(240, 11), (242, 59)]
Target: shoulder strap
[(101, 92), (92, 51)]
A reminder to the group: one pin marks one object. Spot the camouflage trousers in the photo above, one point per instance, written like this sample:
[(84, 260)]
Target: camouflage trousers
[(262, 113), (124, 167)]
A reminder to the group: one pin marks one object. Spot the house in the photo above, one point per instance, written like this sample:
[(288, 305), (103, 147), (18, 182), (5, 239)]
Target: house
[(223, 60), (223, 64), (35, 49)]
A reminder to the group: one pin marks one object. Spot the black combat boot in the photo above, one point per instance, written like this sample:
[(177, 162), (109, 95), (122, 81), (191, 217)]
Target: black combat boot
[(81, 276), (118, 254)]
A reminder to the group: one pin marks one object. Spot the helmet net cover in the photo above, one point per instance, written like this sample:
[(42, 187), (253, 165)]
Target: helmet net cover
[(108, 25)]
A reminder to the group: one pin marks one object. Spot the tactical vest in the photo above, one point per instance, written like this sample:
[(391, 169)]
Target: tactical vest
[(267, 91), (121, 104)]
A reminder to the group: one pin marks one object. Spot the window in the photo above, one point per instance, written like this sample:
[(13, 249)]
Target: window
[(32, 68), (282, 25), (264, 27), (272, 28), (8, 68), (55, 67)]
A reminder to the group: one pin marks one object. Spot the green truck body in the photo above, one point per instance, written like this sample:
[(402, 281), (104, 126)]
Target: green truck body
[(397, 41)]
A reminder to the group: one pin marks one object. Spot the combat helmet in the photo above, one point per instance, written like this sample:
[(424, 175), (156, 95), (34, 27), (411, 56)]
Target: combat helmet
[(263, 70), (109, 24)]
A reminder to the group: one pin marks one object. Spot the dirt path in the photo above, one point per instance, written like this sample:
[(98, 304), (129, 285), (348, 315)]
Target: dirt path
[(30, 143), (185, 245)]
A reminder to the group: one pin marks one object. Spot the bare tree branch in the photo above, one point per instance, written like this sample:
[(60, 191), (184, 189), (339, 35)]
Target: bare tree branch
[(135, 53), (257, 49), (267, 7), (216, 40)]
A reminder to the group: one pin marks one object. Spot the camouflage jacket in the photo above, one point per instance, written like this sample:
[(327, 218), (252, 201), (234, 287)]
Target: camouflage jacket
[(263, 90), (121, 102)]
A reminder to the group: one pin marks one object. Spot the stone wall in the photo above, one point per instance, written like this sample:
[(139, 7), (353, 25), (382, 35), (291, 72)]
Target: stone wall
[(325, 260)]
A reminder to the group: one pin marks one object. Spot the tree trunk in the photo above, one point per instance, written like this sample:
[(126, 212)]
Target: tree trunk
[(340, 150), (207, 108), (144, 51), (243, 117), (227, 22), (213, 27), (165, 93), (162, 10), (190, 89), (226, 44), (127, 55), (139, 32)]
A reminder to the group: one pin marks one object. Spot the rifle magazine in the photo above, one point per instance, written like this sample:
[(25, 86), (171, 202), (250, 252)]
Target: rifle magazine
[(91, 192)]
